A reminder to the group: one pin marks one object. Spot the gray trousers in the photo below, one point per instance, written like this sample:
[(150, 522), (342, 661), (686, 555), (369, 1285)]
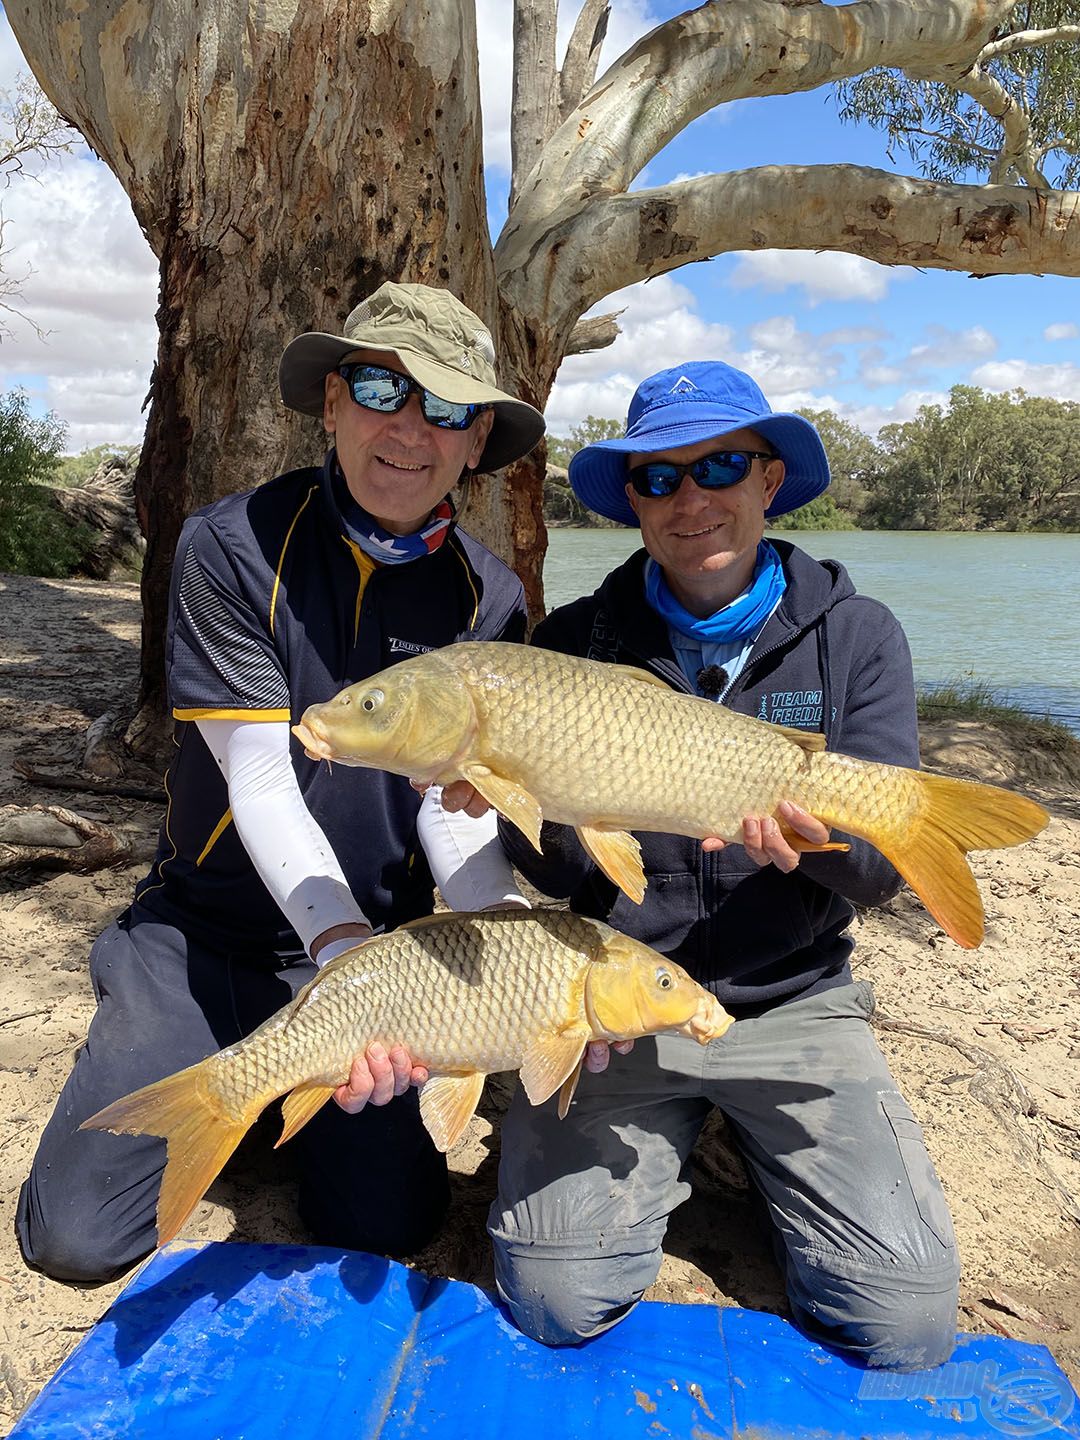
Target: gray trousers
[(865, 1238), (372, 1181)]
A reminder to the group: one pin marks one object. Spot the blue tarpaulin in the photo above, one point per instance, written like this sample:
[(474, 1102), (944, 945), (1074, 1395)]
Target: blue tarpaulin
[(260, 1341)]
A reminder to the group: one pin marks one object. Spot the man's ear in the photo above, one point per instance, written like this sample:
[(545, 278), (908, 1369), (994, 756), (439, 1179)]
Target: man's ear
[(331, 400), (479, 432), (774, 478)]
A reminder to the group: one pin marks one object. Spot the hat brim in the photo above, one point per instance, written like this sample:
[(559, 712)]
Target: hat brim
[(598, 471), (309, 358)]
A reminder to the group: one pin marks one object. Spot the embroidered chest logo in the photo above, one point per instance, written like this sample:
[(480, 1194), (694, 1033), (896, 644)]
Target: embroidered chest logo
[(406, 647), (800, 708)]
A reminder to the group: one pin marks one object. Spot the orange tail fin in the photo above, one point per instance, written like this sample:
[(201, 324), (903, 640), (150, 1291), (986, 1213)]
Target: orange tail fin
[(199, 1135), (961, 816)]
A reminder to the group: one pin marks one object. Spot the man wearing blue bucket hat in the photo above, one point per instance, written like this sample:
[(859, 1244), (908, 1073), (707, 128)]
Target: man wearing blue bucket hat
[(861, 1227)]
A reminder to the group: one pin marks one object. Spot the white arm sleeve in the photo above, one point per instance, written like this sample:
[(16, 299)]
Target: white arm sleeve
[(468, 863), (286, 846)]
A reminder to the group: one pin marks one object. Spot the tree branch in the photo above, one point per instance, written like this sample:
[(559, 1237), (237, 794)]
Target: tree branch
[(1015, 155), (594, 334), (893, 219), (717, 53), (1027, 40), (582, 55), (534, 108)]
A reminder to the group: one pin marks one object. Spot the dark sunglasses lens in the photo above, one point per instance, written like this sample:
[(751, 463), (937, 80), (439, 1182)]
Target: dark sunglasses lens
[(448, 414), (377, 389), (717, 472), (655, 480)]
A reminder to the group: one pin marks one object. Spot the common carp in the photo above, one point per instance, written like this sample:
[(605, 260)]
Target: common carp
[(610, 749), (466, 994)]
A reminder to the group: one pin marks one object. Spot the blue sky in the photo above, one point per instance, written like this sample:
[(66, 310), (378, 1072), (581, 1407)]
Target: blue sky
[(830, 331)]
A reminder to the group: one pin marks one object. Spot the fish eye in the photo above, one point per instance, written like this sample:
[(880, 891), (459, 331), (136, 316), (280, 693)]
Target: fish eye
[(372, 700), (664, 978)]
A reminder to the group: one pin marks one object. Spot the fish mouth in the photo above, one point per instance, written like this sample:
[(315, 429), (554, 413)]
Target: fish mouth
[(708, 1022), (315, 747)]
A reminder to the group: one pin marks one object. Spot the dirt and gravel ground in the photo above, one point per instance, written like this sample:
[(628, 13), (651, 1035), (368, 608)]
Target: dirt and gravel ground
[(986, 1044)]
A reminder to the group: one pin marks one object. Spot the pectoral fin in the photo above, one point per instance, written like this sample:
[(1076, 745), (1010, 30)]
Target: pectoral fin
[(447, 1104), (510, 799), (299, 1106), (552, 1059), (619, 856)]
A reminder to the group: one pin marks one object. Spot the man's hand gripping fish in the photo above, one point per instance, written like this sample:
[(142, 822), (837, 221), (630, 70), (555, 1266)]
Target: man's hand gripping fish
[(610, 749), (467, 995)]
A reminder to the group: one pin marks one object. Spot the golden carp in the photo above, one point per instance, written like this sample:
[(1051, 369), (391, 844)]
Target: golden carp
[(610, 749), (466, 994)]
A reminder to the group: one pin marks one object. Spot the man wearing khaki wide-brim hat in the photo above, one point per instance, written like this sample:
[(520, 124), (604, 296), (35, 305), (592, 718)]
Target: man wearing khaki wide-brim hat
[(268, 866)]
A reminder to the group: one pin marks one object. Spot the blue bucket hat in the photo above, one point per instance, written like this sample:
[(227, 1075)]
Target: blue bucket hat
[(701, 400)]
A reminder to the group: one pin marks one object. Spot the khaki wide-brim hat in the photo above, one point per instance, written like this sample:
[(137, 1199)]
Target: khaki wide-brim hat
[(430, 335)]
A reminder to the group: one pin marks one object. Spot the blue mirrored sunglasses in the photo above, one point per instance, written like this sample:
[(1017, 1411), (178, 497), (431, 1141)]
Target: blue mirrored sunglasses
[(717, 471), (387, 391)]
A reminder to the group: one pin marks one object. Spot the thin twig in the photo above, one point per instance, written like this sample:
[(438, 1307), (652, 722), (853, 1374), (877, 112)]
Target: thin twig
[(24, 1015)]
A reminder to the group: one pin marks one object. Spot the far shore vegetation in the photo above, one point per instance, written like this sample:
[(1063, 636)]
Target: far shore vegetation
[(982, 461), (1006, 462)]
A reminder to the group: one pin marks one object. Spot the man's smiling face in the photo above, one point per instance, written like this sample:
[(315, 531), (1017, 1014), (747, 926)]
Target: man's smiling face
[(398, 467), (705, 541)]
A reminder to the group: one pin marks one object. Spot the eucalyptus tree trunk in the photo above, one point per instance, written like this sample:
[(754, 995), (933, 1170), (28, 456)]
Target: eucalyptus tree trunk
[(283, 160)]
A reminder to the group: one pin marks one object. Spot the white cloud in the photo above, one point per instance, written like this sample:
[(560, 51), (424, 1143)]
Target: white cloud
[(822, 276), (1060, 382), (91, 285), (951, 347), (660, 327), (1063, 330), (871, 417)]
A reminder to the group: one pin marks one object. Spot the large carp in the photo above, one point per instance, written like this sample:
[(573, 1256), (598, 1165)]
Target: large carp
[(466, 994), (610, 749)]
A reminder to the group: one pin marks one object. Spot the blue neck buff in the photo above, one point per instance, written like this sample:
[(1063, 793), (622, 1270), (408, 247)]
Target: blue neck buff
[(741, 620)]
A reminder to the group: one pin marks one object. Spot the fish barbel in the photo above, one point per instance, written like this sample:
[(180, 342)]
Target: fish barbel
[(610, 749), (466, 994)]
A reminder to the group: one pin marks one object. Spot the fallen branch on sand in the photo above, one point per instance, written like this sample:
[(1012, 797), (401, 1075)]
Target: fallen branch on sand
[(88, 784), (1002, 1091), (48, 837)]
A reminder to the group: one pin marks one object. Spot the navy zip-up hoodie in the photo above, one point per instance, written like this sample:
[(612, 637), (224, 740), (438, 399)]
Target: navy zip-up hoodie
[(828, 659)]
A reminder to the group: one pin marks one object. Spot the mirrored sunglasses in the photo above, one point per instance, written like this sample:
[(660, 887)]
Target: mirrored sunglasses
[(387, 391), (717, 471)]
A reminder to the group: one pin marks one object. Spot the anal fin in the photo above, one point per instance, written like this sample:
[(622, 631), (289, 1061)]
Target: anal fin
[(510, 799), (300, 1105), (569, 1085), (618, 855), (802, 846), (447, 1104)]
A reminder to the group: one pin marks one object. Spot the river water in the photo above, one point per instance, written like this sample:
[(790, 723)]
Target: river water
[(998, 609)]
